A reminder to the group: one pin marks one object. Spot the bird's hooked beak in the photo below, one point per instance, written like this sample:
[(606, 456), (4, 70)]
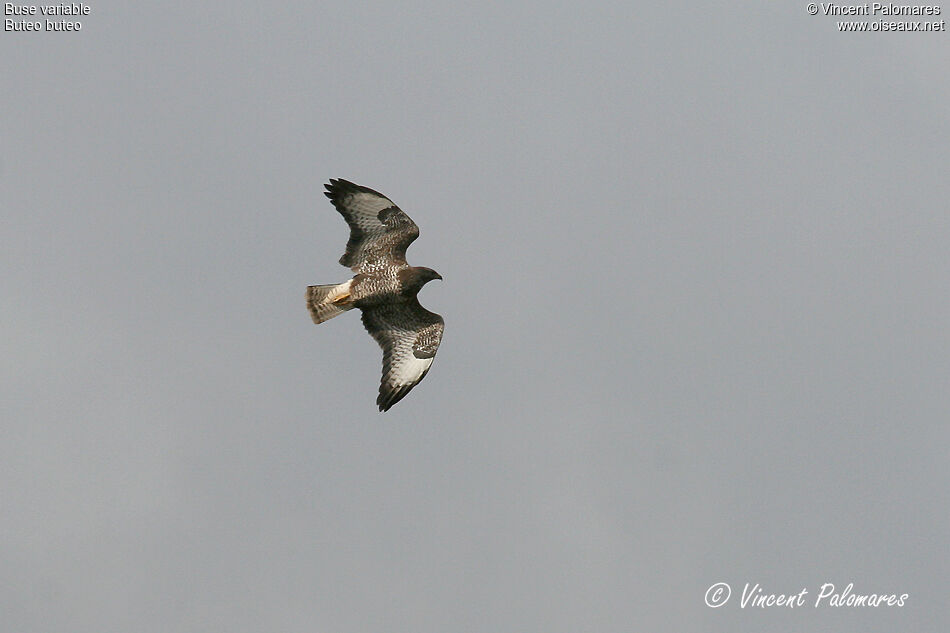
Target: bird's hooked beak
[(438, 276)]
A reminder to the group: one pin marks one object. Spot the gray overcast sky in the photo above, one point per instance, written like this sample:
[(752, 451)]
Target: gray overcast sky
[(696, 307)]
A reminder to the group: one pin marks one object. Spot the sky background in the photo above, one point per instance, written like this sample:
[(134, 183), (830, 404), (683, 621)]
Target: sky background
[(696, 271)]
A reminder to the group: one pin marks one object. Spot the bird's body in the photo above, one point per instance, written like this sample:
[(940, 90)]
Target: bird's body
[(384, 288)]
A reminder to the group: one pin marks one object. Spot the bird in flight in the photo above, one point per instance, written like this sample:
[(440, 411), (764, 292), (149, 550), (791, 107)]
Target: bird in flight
[(384, 288)]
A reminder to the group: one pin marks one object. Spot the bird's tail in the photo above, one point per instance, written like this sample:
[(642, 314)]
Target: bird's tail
[(325, 302)]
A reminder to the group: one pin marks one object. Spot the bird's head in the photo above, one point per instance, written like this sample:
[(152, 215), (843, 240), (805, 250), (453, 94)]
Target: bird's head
[(427, 274), (413, 279)]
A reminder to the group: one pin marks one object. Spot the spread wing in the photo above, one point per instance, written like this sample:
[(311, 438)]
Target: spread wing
[(380, 232), (410, 336)]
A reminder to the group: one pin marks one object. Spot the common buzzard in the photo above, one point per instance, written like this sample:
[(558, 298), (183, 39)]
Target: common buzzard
[(384, 288)]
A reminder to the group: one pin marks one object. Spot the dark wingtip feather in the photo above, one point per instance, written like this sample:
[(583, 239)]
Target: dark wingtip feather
[(340, 186), (387, 399), (336, 189)]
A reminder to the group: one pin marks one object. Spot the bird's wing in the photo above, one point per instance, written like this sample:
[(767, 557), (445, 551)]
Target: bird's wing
[(380, 232), (410, 336)]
